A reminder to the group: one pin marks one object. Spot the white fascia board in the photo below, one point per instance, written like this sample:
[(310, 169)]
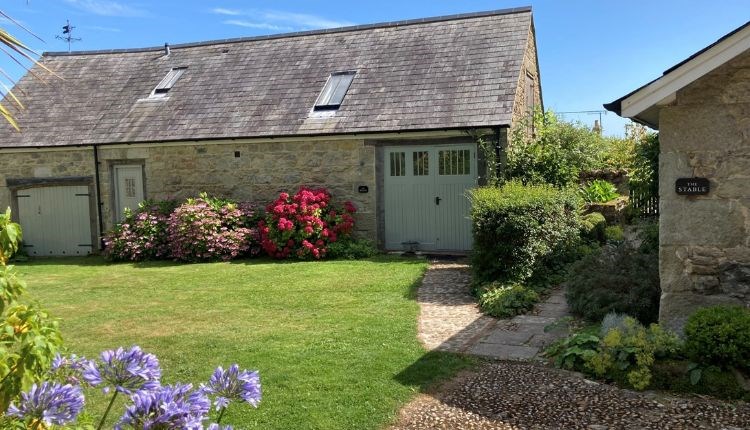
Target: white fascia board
[(667, 86)]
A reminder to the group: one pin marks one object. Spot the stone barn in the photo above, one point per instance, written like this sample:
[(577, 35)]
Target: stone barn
[(701, 108), (385, 115)]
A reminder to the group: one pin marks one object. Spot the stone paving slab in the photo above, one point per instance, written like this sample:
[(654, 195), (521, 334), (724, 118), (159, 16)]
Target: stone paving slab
[(450, 319), (505, 352)]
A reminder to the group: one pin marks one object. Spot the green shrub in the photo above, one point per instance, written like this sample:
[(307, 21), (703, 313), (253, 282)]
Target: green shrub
[(572, 352), (628, 353), (556, 153), (352, 249), (673, 375), (598, 191), (506, 301), (720, 336), (648, 232), (515, 226), (593, 226), (617, 279), (614, 233)]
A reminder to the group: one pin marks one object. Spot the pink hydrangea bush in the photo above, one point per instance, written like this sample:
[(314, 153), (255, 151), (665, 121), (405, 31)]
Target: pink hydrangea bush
[(212, 229), (142, 235), (303, 225)]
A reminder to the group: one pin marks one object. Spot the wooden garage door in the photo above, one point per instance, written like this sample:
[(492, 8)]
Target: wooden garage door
[(56, 221), (425, 196)]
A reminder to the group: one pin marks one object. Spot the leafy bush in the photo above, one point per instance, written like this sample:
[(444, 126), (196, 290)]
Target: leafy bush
[(614, 234), (142, 235), (720, 336), (574, 351), (29, 338), (617, 279), (612, 320), (506, 301), (648, 233), (516, 226), (304, 225), (673, 375), (556, 154), (632, 351), (211, 229), (593, 226), (598, 191), (351, 249)]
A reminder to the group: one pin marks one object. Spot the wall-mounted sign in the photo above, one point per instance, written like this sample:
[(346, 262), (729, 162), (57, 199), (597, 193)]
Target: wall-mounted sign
[(363, 189), (692, 186)]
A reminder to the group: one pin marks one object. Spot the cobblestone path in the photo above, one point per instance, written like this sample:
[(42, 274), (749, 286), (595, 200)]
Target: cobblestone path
[(450, 319)]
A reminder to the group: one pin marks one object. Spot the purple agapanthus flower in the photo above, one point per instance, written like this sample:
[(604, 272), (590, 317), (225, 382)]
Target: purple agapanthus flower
[(69, 369), (168, 407), (233, 384), (125, 371), (49, 402), (215, 426)]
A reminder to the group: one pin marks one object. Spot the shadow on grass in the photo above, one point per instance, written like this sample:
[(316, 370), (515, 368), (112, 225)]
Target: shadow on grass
[(433, 368)]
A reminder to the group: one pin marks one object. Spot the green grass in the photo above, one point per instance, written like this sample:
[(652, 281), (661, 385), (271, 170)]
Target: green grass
[(335, 342)]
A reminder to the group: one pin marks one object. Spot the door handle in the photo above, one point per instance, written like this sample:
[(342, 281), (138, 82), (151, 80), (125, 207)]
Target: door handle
[(437, 200)]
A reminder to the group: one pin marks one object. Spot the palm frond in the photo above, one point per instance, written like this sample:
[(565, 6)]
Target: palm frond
[(21, 54)]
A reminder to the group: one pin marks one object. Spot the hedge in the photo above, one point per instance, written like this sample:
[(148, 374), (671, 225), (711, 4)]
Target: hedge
[(516, 226)]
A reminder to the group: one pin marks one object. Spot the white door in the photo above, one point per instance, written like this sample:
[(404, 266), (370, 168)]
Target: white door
[(128, 188), (56, 221), (425, 196)]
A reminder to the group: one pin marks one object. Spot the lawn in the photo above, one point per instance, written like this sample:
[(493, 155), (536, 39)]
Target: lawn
[(335, 342)]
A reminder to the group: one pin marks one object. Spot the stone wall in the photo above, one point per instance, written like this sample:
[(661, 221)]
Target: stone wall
[(529, 71), (705, 240), (36, 164), (258, 174)]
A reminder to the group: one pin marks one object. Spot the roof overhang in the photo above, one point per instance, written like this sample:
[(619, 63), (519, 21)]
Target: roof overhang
[(643, 105)]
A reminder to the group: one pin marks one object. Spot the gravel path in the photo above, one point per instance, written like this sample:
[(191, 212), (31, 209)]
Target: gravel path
[(516, 396)]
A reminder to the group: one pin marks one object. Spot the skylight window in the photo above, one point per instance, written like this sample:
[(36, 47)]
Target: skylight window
[(334, 91), (166, 84)]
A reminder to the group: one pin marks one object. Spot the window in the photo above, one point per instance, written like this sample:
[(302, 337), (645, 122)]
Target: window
[(334, 90), (530, 93), (166, 84), (421, 163), (398, 163), (454, 162)]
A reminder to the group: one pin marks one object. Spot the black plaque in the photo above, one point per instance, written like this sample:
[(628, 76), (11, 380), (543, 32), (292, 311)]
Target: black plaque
[(692, 186), (363, 189)]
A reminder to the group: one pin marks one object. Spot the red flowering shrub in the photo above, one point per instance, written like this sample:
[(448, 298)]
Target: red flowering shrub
[(211, 229), (304, 225), (142, 235)]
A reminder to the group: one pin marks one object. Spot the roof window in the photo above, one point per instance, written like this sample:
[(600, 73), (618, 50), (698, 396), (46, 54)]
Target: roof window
[(166, 84), (334, 90)]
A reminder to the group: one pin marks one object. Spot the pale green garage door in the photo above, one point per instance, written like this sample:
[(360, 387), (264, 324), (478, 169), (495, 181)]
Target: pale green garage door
[(56, 221), (425, 196)]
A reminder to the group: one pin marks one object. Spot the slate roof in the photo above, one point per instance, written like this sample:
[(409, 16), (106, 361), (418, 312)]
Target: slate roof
[(441, 73)]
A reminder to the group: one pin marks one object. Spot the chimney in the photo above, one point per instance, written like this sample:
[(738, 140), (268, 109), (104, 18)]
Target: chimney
[(597, 127), (167, 51)]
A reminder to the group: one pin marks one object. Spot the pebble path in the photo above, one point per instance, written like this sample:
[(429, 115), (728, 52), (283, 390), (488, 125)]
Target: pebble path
[(513, 395)]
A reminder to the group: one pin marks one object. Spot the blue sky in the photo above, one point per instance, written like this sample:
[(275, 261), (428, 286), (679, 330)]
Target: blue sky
[(590, 51)]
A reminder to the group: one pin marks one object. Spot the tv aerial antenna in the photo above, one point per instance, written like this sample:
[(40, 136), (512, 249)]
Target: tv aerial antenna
[(68, 34)]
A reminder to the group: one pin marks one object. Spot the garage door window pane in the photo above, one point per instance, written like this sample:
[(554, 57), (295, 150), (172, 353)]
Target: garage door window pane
[(421, 161), (398, 164), (454, 162)]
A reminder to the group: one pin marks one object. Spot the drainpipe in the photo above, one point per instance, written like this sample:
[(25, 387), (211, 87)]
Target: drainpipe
[(98, 195)]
